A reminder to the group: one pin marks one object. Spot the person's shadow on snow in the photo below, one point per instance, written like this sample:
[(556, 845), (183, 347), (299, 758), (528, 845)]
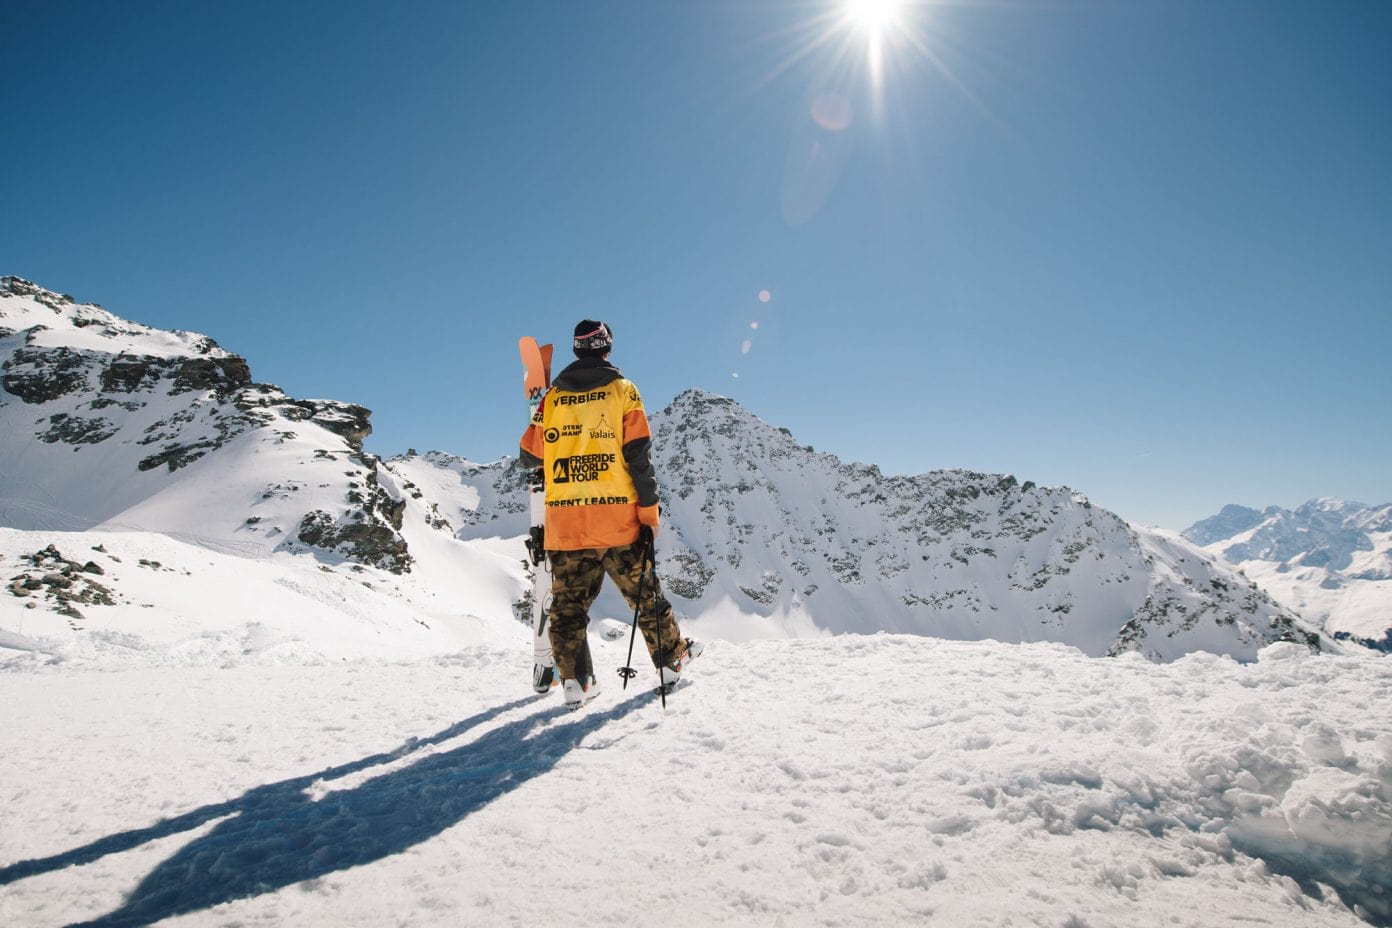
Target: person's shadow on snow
[(278, 835)]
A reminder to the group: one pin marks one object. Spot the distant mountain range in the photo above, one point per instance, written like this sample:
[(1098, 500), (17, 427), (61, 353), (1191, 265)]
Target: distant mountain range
[(113, 426), (1330, 559)]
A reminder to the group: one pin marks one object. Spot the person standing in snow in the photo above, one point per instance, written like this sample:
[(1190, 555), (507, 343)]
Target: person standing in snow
[(590, 437)]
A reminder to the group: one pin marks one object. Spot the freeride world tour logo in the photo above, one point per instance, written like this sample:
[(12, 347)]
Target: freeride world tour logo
[(581, 468)]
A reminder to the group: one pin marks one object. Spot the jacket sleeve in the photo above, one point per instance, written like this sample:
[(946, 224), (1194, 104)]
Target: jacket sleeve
[(638, 457), (637, 447)]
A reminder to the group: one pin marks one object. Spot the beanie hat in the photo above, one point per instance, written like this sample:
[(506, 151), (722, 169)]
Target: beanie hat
[(592, 339)]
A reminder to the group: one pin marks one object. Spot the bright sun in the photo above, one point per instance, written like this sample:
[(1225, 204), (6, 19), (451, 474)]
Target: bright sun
[(845, 35), (873, 15), (880, 21)]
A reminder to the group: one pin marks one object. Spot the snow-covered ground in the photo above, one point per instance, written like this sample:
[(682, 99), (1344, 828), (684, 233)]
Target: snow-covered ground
[(179, 602), (851, 780)]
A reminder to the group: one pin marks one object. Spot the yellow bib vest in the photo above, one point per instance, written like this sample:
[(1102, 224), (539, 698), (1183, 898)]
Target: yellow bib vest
[(591, 501)]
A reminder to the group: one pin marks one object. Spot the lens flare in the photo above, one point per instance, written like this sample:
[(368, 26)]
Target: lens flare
[(832, 112)]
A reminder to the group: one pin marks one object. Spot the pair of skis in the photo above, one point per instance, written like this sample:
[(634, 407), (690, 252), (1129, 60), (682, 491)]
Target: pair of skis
[(536, 363)]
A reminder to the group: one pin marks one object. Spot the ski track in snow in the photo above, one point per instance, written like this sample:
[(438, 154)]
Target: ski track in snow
[(856, 780)]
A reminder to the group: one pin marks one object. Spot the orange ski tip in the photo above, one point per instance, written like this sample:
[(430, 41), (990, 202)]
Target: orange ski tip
[(536, 365)]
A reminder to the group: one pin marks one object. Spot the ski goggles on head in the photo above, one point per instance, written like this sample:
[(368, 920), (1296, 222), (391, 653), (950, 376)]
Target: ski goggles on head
[(601, 337)]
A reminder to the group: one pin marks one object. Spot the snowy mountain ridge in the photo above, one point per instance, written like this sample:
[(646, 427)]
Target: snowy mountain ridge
[(115, 425), (764, 537), (120, 427), (760, 520), (1329, 558)]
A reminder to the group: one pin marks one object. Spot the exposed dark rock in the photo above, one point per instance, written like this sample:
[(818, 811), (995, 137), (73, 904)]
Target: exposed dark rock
[(62, 582), (1383, 644), (42, 375), (395, 512), (102, 402), (366, 542), (221, 375), (177, 456), (349, 420), (18, 286), (346, 419), (127, 374), (75, 430), (343, 419)]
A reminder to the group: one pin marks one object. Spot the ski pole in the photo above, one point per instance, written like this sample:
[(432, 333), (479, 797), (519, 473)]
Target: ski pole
[(650, 559), (627, 671)]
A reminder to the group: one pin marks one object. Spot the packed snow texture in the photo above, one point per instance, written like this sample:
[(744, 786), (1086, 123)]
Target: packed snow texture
[(855, 780)]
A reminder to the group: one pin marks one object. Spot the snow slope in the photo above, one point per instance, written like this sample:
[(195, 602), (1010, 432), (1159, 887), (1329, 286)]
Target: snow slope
[(857, 780), (150, 598)]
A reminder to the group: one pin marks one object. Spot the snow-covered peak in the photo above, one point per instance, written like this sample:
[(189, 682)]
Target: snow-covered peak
[(721, 415), (116, 424), (1231, 520), (1321, 532), (52, 320), (768, 536), (1330, 558)]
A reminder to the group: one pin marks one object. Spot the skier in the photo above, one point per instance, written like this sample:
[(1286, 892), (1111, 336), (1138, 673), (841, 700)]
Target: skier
[(590, 435)]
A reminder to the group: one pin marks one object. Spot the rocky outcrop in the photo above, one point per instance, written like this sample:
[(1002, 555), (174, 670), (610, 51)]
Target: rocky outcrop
[(64, 583), (40, 376), (367, 530), (18, 286), (220, 376), (161, 401), (356, 540)]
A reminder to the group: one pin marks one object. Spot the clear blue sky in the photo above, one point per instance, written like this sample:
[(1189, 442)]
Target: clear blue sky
[(1142, 248)]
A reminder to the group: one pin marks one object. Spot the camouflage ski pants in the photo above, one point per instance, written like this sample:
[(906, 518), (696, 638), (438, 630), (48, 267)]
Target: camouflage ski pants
[(576, 579)]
